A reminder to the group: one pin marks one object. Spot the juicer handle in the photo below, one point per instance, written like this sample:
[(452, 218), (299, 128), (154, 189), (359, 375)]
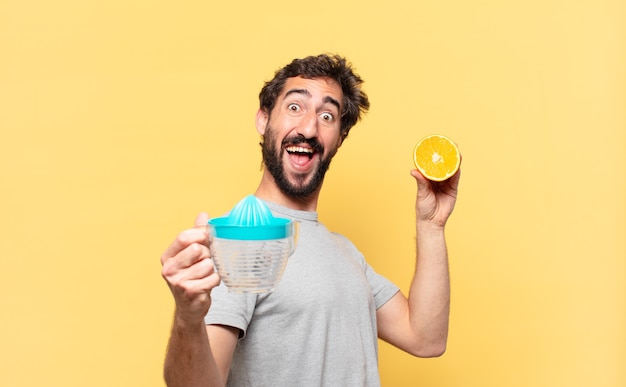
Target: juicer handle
[(295, 233)]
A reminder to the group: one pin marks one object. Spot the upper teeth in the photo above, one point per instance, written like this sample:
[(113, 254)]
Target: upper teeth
[(299, 149)]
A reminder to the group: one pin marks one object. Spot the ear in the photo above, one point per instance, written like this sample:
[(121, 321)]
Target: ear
[(340, 141), (261, 121)]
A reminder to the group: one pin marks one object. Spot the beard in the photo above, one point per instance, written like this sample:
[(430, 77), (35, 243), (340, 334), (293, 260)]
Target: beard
[(272, 158)]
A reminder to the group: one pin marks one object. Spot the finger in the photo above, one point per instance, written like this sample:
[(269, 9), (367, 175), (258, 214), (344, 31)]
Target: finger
[(454, 180), (191, 263), (192, 254), (198, 270), (422, 182), (203, 285), (202, 219), (417, 175), (201, 269), (196, 235)]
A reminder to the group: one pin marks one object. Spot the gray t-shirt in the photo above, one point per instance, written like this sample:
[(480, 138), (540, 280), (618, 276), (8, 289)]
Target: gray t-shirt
[(318, 327)]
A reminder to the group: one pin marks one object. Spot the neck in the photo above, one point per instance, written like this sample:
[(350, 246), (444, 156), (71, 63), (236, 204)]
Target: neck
[(269, 191)]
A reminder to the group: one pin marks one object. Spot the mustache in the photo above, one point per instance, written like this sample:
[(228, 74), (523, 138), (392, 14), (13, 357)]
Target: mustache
[(300, 139)]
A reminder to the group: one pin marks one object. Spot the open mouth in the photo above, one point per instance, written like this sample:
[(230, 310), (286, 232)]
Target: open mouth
[(300, 151), (300, 156)]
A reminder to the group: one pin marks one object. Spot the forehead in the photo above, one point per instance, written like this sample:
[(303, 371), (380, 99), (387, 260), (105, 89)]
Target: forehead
[(320, 87)]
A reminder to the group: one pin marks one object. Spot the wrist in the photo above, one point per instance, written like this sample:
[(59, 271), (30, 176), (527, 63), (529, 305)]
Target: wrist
[(186, 322), (429, 227)]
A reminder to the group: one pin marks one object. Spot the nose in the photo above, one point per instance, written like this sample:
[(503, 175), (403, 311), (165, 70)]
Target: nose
[(308, 126)]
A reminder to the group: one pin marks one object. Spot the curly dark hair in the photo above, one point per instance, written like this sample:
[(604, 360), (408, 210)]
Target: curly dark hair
[(355, 101)]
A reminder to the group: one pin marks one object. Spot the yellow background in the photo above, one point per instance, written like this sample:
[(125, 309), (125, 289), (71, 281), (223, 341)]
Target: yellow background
[(120, 120)]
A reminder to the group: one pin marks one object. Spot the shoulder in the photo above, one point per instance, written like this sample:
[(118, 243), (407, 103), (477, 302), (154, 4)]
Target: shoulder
[(346, 244)]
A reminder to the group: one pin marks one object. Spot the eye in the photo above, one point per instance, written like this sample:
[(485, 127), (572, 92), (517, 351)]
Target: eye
[(327, 117), (294, 107)]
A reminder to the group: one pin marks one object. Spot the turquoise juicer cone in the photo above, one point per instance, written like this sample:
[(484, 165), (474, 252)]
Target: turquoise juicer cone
[(250, 246)]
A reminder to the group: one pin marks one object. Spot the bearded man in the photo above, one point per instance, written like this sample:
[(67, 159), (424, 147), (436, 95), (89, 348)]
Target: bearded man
[(320, 326)]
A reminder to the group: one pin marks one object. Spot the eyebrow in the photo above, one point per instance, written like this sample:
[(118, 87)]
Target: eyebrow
[(307, 93)]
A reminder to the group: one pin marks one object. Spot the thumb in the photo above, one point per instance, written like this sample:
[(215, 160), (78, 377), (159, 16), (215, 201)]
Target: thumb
[(202, 219), (422, 182)]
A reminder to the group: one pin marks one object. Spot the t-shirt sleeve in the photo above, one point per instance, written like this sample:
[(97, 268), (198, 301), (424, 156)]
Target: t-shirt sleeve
[(382, 289), (231, 309)]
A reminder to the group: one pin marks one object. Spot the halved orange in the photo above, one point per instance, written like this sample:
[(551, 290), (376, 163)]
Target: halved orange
[(436, 157)]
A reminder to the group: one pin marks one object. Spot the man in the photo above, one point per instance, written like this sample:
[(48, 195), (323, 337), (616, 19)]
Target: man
[(320, 326)]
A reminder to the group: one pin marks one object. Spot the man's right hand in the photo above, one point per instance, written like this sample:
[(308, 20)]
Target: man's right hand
[(190, 273)]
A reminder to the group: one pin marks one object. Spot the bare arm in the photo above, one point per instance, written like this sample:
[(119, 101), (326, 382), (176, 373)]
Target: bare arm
[(197, 355), (190, 359), (419, 324)]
